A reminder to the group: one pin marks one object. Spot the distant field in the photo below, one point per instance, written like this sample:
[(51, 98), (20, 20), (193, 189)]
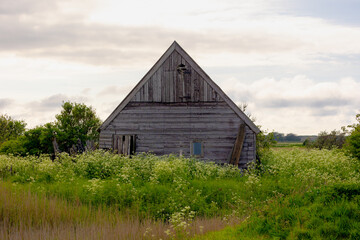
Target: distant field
[(288, 144)]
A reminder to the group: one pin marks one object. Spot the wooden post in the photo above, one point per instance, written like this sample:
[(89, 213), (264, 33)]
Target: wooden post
[(236, 153)]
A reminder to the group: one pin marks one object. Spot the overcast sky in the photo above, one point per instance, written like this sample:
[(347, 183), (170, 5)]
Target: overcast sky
[(295, 62)]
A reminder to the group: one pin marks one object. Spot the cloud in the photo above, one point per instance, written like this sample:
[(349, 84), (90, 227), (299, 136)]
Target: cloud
[(52, 103), (111, 45), (49, 30), (5, 103), (298, 104), (115, 90), (9, 7), (324, 101)]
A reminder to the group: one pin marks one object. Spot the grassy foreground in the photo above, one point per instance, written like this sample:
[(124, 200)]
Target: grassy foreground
[(295, 194), (142, 197), (317, 197)]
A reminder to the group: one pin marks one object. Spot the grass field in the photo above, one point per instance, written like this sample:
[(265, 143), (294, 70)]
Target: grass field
[(295, 194), (288, 144)]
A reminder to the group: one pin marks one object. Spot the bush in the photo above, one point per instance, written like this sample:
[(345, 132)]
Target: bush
[(334, 139), (353, 141), (10, 129)]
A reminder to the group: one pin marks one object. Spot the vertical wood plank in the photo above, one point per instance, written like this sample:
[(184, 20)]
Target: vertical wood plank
[(196, 87), (157, 87), (142, 93), (187, 81), (162, 85), (192, 85), (146, 92), (114, 144), (173, 73), (126, 145), (120, 144), (150, 87), (179, 87), (171, 86), (209, 93), (213, 95), (205, 91), (167, 86), (137, 96), (201, 89)]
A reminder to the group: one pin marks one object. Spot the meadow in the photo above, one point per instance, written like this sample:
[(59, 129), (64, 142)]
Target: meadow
[(294, 194)]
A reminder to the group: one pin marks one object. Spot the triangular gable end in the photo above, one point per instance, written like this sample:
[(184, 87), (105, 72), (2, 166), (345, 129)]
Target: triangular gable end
[(176, 50)]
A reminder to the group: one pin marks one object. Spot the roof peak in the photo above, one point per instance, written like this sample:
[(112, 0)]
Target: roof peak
[(176, 47)]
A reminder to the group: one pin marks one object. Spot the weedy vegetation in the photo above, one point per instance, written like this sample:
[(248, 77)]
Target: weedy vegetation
[(296, 193), (301, 194)]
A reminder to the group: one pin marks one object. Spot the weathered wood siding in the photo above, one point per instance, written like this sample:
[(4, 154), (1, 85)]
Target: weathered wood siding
[(168, 85), (165, 128), (175, 106)]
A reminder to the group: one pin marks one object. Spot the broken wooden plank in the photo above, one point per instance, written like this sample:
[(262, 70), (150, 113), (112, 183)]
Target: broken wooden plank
[(235, 156)]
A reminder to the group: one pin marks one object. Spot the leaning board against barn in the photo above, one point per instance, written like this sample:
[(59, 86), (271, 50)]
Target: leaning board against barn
[(177, 108)]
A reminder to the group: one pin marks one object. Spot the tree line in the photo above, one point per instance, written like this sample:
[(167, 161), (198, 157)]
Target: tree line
[(74, 129), (348, 138)]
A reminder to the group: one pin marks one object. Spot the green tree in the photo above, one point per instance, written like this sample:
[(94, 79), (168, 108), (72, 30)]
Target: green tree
[(39, 139), (10, 128), (334, 139), (76, 122), (35, 141), (14, 146), (352, 144)]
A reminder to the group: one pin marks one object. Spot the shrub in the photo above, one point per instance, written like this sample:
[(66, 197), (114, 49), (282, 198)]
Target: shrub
[(353, 141)]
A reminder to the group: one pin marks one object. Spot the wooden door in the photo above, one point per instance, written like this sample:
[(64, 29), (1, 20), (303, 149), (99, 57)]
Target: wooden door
[(124, 144)]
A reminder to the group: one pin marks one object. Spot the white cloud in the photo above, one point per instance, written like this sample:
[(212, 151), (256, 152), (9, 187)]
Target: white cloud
[(298, 104), (100, 49)]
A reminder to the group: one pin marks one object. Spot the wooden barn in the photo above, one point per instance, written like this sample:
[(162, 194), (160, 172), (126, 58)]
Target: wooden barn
[(177, 108)]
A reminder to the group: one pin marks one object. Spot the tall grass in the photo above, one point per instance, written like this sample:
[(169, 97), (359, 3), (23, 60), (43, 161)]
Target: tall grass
[(301, 194), (294, 194), (104, 193), (144, 185), (24, 215)]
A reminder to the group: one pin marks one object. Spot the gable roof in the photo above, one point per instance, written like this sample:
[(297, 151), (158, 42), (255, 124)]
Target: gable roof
[(176, 47)]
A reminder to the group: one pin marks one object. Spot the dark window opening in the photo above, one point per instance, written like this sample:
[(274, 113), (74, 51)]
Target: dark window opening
[(196, 148)]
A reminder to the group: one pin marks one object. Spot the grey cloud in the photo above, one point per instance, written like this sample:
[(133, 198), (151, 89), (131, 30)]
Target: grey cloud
[(304, 102), (11, 7), (5, 102), (51, 103), (72, 39), (324, 112)]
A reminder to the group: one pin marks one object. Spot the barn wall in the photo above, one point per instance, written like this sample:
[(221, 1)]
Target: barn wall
[(165, 128)]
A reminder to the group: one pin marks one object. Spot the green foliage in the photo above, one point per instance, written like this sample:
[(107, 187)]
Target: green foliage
[(39, 139), (35, 141), (290, 137), (353, 141), (334, 139), (301, 194), (264, 142), (76, 122), (298, 194), (10, 128), (146, 185), (14, 146)]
